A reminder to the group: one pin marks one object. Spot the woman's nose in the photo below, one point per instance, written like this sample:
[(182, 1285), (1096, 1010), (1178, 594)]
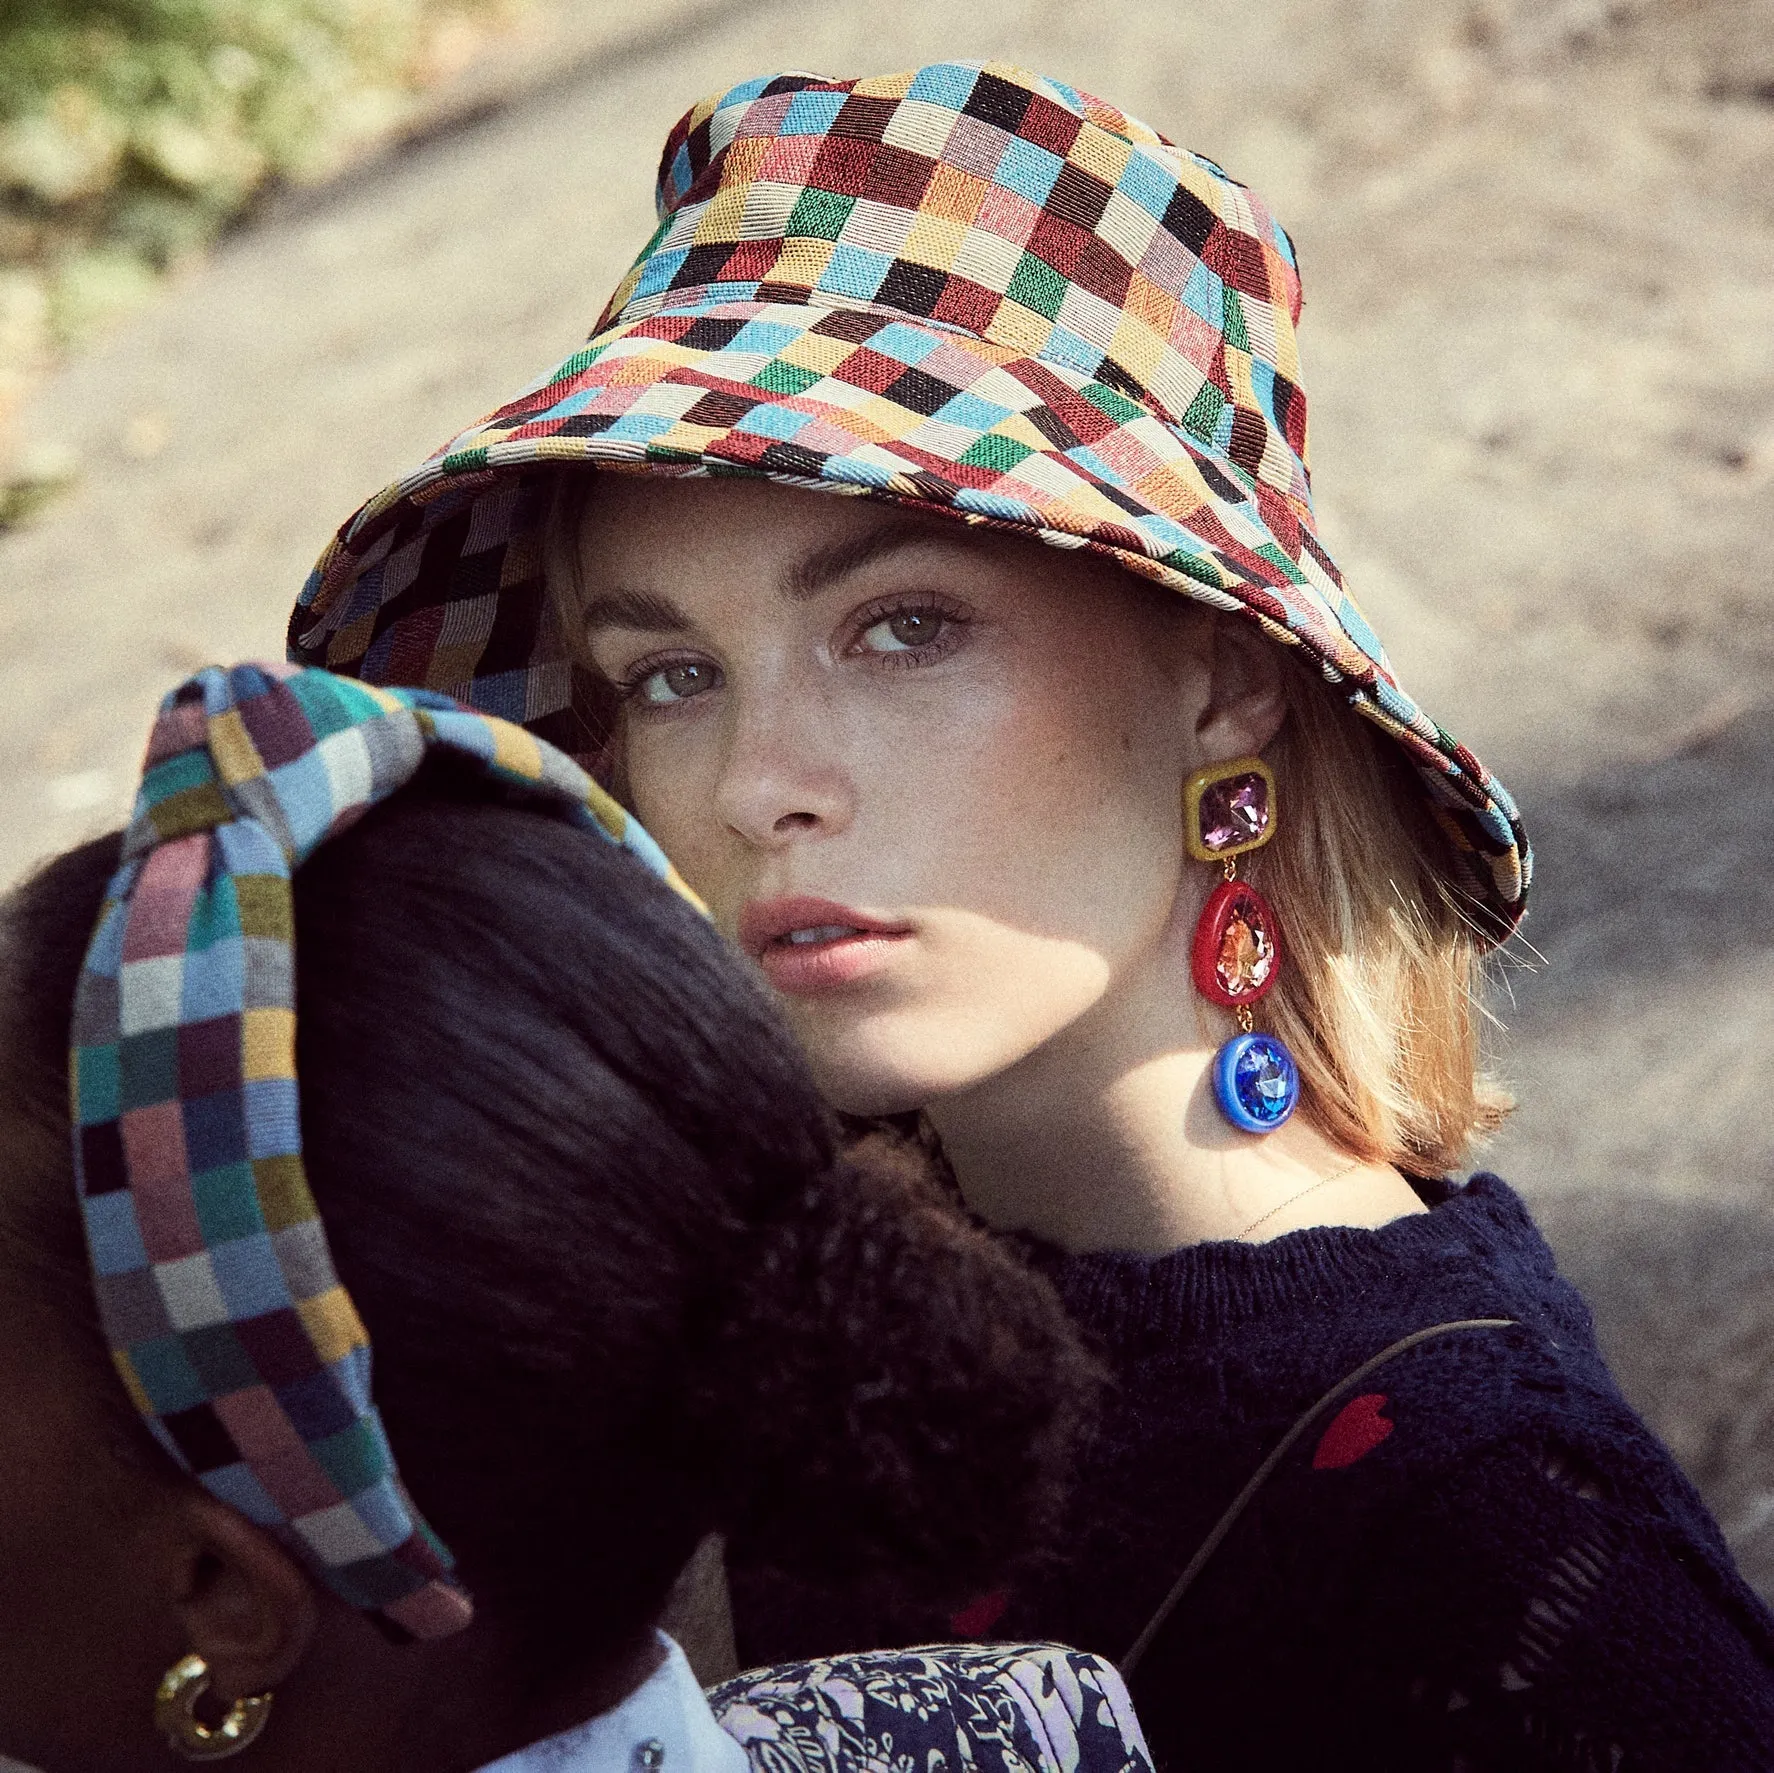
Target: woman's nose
[(784, 777)]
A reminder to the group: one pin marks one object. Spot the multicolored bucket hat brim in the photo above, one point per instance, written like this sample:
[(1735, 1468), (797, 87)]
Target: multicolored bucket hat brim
[(966, 289)]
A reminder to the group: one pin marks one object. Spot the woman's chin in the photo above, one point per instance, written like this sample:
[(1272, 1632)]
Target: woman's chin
[(872, 1085), (896, 1066)]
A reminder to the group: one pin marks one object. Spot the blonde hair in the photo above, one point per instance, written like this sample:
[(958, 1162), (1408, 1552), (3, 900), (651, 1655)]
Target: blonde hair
[(1377, 996)]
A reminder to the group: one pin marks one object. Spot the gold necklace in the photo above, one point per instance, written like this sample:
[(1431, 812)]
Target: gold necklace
[(1300, 1195)]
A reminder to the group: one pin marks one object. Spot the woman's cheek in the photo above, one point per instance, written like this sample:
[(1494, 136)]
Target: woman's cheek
[(973, 998), (672, 791), (1044, 843)]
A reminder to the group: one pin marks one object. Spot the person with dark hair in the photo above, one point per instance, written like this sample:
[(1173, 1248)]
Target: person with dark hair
[(554, 1156)]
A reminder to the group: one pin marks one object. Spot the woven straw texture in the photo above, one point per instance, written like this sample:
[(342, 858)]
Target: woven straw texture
[(215, 1287), (968, 289)]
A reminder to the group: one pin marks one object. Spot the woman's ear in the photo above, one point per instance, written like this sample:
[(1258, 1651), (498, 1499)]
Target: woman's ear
[(247, 1608), (1245, 701)]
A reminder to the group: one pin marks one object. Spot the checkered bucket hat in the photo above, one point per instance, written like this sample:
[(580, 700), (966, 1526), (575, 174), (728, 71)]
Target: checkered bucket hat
[(216, 1290), (967, 289)]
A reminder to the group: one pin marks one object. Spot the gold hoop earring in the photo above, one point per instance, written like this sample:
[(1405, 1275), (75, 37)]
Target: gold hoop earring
[(175, 1712)]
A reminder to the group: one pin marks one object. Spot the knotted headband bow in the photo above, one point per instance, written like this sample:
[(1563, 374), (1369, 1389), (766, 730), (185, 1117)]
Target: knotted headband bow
[(215, 1286)]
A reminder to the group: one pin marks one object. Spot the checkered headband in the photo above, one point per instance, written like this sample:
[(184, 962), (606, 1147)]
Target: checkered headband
[(216, 1290), (966, 289)]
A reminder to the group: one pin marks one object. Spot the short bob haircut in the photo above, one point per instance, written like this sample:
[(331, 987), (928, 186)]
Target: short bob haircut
[(1379, 1000)]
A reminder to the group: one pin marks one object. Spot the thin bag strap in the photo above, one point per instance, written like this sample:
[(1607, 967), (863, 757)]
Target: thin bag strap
[(1263, 1472)]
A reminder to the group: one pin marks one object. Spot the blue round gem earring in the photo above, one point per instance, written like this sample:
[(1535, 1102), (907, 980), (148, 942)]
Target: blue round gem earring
[(1229, 810)]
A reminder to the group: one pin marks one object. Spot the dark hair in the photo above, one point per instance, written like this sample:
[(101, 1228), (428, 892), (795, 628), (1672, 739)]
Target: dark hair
[(622, 1285)]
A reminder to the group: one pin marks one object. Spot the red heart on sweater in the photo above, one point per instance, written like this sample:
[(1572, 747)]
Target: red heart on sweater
[(1355, 1430), (978, 1617)]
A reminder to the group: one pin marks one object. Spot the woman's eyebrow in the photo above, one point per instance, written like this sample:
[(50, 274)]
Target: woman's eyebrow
[(826, 566), (635, 609), (651, 613)]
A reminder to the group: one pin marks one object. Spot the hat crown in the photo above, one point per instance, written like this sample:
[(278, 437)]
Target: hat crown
[(1005, 205)]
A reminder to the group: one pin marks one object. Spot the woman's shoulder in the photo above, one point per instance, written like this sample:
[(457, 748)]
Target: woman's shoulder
[(991, 1706), (1548, 1566), (1501, 1438), (1436, 1380), (1463, 1513)]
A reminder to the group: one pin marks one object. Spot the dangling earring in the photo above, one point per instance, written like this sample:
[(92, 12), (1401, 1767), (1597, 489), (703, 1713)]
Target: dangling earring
[(175, 1712), (1229, 810)]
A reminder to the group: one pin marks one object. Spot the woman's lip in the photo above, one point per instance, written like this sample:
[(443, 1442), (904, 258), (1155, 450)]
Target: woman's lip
[(765, 925), (806, 969)]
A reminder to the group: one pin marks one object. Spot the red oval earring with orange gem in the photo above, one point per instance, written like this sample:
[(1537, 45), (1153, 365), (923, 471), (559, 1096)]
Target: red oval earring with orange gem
[(1237, 951), (1229, 810)]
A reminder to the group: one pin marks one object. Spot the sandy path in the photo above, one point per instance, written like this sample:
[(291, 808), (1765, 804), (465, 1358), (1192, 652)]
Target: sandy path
[(1538, 243)]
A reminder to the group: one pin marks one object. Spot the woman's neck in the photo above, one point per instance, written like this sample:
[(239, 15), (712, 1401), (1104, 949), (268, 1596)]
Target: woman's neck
[(1108, 1137), (360, 1702)]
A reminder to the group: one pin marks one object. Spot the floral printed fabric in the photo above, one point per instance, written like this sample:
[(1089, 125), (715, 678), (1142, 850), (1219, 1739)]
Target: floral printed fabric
[(994, 1708)]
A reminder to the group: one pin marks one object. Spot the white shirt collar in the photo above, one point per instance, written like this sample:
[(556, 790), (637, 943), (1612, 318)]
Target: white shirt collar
[(663, 1726)]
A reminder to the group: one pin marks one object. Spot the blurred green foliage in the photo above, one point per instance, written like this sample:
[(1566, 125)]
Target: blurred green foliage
[(132, 130)]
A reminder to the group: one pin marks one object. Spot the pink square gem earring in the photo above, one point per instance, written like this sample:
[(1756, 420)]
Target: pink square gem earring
[(1229, 810)]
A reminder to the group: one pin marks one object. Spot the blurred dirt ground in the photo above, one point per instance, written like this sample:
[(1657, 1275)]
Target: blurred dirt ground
[(1538, 246)]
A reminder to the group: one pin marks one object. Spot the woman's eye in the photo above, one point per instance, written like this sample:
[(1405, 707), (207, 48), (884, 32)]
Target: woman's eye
[(905, 631), (674, 683)]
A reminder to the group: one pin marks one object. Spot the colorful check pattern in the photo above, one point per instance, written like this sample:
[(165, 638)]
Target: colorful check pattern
[(215, 1287), (966, 288)]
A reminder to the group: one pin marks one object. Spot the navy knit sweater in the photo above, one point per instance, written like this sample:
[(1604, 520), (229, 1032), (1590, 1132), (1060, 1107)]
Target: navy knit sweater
[(1484, 1561)]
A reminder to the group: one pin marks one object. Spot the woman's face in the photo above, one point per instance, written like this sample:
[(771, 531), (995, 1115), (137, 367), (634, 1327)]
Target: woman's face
[(927, 777)]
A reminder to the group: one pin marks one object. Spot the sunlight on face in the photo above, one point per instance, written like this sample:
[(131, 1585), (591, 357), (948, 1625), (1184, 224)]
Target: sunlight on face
[(927, 777)]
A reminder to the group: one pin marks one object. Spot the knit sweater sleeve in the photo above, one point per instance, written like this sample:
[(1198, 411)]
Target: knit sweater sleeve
[(1550, 1608)]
